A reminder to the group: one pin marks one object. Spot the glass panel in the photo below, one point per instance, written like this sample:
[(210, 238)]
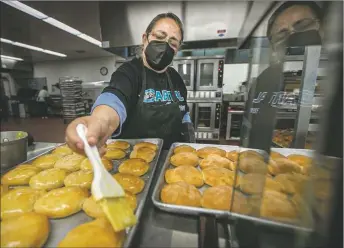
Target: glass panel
[(207, 72), (185, 72), (204, 117)]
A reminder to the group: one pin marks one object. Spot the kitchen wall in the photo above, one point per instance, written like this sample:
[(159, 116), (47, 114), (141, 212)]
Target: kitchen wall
[(88, 70)]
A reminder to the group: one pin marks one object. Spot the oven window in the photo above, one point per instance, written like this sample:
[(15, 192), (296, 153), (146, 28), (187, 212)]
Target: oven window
[(207, 74), (185, 72), (204, 117)]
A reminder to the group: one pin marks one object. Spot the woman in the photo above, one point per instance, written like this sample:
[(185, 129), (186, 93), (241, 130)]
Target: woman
[(42, 99), (146, 98)]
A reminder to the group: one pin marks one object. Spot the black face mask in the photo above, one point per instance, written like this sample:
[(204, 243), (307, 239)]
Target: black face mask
[(159, 54), (306, 38)]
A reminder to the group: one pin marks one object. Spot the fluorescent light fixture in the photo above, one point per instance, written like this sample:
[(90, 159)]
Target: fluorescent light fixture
[(25, 8), (10, 57), (90, 39), (62, 26), (19, 44)]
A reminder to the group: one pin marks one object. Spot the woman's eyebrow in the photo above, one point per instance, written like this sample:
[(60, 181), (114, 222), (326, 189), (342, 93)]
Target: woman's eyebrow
[(164, 33)]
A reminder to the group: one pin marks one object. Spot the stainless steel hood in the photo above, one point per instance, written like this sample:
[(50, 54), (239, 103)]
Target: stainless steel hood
[(207, 23)]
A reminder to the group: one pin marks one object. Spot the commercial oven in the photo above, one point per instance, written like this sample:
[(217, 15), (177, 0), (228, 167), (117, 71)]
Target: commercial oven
[(209, 74), (186, 69), (207, 120)]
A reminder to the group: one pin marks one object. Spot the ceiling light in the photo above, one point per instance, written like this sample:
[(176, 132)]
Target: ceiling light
[(19, 44), (10, 57), (62, 26), (90, 39), (25, 8)]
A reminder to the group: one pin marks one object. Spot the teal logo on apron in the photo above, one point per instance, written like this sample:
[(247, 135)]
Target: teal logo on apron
[(152, 95)]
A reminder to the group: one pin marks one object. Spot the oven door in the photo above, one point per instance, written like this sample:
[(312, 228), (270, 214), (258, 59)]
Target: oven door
[(186, 69), (205, 116), (207, 74)]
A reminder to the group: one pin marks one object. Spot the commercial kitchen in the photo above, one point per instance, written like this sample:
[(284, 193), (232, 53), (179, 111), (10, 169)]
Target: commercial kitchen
[(230, 63)]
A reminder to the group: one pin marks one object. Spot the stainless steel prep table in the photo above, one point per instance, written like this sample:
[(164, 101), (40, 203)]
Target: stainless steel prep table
[(161, 229)]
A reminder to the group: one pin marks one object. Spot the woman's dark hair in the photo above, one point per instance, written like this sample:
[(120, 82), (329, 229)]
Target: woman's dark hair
[(317, 10), (166, 15), (45, 88)]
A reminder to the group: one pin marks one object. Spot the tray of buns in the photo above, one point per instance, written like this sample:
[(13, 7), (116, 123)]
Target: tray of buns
[(199, 179), (48, 202)]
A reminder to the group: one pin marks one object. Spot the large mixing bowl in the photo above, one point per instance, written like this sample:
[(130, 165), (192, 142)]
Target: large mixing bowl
[(13, 148)]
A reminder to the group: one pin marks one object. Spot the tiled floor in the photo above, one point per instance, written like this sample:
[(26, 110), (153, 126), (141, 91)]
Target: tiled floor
[(44, 130)]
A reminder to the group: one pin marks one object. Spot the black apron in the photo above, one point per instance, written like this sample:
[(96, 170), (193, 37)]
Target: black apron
[(154, 120)]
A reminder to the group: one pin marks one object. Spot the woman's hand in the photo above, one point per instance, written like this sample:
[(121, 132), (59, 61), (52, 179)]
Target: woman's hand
[(101, 124)]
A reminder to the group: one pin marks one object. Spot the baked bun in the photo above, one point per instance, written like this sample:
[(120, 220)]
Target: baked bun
[(232, 155), (149, 145), (3, 189), (62, 202), (205, 151), (215, 176), (86, 164), (120, 144), (220, 197), (97, 233), (27, 230), (46, 161), (283, 165), (276, 155), (80, 178), (19, 201), (62, 151), (184, 158), (214, 160), (114, 153), (48, 179), (130, 183), (300, 159), (184, 173), (181, 193), (292, 183), (252, 165), (183, 148), (251, 154), (256, 183), (70, 163), (134, 166), (144, 153), (20, 175)]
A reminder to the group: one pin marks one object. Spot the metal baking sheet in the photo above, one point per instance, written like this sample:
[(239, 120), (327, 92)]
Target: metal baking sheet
[(60, 227), (218, 213)]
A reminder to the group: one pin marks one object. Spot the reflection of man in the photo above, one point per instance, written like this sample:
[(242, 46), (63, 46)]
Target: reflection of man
[(292, 24)]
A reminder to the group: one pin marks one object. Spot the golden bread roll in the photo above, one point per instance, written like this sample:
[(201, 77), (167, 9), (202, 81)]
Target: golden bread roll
[(62, 151), (131, 199), (114, 153), (220, 197), (86, 164), (251, 154), (97, 233), (48, 179), (300, 159), (149, 145), (134, 166), (18, 201), (214, 160), (3, 189), (27, 230), (144, 153), (184, 158), (70, 162), (255, 183), (80, 178), (181, 193), (20, 175), (232, 155), (183, 148), (205, 151), (120, 144), (184, 173), (275, 155), (130, 183), (215, 176), (61, 202), (283, 165), (292, 183), (46, 161), (252, 165)]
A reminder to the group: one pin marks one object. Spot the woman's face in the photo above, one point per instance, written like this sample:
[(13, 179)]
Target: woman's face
[(165, 29)]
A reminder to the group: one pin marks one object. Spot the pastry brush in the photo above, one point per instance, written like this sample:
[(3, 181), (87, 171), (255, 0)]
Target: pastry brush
[(106, 190)]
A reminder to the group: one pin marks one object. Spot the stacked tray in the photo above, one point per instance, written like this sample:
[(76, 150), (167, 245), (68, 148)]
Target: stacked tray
[(60, 227), (221, 213)]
